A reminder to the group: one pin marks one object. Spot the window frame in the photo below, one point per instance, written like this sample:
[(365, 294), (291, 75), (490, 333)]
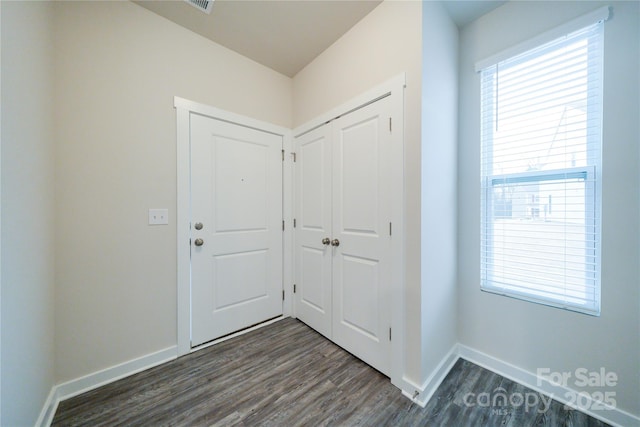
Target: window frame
[(590, 173)]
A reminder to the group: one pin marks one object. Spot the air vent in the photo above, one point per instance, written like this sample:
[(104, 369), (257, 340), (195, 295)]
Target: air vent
[(203, 5)]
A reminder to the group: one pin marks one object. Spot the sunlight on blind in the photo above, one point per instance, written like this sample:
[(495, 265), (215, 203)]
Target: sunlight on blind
[(541, 145)]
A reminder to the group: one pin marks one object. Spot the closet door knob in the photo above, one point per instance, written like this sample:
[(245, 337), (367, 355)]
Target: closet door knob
[(335, 242), (326, 241), (199, 242)]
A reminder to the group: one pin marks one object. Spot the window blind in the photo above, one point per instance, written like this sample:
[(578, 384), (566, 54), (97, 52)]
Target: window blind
[(541, 113)]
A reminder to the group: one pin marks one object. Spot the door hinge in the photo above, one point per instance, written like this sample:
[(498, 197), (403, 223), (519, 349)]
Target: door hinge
[(293, 154), (283, 225), (389, 124), (389, 334), (390, 230), (283, 295), (294, 223), (294, 288), (283, 155)]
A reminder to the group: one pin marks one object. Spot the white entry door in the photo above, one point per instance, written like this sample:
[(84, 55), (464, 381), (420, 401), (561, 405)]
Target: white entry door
[(236, 227), (358, 237)]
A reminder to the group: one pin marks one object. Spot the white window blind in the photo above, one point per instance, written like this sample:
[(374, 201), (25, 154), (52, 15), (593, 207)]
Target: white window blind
[(541, 160)]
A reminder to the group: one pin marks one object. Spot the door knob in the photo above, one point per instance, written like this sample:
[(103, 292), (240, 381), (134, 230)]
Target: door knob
[(198, 226), (335, 242), (199, 242), (326, 241)]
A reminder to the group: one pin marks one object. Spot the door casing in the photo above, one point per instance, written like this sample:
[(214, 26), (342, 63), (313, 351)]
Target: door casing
[(393, 88), (184, 108)]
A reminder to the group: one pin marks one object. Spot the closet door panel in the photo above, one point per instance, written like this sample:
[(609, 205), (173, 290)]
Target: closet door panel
[(313, 217), (361, 215)]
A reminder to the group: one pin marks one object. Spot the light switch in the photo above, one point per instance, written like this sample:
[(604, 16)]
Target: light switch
[(158, 216)]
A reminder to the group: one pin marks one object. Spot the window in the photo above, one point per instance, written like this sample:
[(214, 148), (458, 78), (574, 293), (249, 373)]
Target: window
[(541, 160)]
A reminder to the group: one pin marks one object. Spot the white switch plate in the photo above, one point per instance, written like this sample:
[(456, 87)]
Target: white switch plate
[(158, 216)]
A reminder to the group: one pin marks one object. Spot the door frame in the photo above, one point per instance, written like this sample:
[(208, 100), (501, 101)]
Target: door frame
[(393, 88), (184, 109)]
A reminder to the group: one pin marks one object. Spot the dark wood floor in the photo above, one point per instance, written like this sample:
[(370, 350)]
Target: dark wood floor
[(286, 374)]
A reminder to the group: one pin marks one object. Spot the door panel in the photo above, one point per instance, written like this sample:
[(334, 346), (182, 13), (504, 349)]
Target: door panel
[(315, 174), (360, 292), (236, 193), (361, 212), (315, 278), (248, 269), (240, 190), (313, 217), (358, 155)]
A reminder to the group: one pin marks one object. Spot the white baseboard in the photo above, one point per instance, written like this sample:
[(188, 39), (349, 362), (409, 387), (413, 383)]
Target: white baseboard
[(89, 382), (92, 381), (614, 416), (48, 410), (611, 415), (423, 393)]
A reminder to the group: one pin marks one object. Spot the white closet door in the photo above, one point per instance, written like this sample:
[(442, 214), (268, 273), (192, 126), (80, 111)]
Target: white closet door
[(313, 218), (236, 256), (361, 221)]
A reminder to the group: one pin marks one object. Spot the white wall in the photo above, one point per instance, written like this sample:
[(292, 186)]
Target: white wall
[(439, 184), (118, 67), (528, 335), (383, 44), (27, 210)]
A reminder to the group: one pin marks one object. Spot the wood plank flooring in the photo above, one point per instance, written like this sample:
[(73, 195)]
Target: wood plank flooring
[(286, 374)]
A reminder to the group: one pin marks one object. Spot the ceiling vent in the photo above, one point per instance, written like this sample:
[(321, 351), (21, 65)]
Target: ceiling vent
[(202, 5)]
